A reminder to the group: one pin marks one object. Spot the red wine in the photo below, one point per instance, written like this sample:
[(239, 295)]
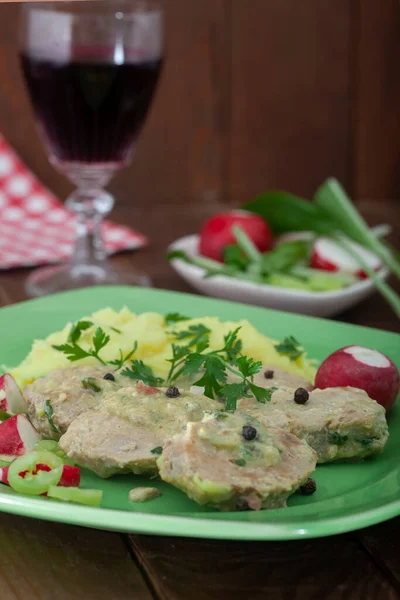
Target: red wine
[(90, 112)]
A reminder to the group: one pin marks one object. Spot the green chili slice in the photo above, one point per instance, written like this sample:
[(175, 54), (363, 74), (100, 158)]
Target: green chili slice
[(25, 477)]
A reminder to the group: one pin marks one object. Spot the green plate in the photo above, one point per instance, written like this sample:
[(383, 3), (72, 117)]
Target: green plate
[(349, 496)]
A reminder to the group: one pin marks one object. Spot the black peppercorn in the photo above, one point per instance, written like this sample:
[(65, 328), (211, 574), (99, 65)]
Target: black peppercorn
[(301, 396), (249, 432), (310, 487), (269, 374), (172, 392), (109, 377)]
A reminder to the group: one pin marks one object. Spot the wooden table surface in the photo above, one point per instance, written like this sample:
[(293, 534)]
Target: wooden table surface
[(49, 561)]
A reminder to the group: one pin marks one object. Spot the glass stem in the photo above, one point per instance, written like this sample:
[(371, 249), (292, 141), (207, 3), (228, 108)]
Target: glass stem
[(90, 207)]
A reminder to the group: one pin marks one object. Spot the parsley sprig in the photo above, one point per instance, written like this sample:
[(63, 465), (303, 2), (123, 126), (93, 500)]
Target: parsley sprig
[(119, 362), (215, 366), (74, 351), (139, 371), (189, 357)]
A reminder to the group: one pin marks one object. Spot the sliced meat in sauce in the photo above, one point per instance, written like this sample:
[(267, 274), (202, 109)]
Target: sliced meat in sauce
[(109, 445), (214, 464), (67, 395), (132, 421), (339, 423)]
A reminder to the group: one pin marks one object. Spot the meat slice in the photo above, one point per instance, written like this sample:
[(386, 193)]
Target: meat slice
[(108, 445), (339, 423), (215, 465), (67, 395), (271, 376)]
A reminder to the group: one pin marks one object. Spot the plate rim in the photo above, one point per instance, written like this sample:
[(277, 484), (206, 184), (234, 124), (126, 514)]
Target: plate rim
[(166, 525)]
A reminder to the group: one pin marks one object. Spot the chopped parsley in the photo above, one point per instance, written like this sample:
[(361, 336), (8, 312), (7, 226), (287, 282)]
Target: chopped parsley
[(337, 438), (49, 412), (4, 415), (115, 329), (176, 317), (240, 462), (290, 347), (157, 450), (89, 383), (366, 442), (220, 415)]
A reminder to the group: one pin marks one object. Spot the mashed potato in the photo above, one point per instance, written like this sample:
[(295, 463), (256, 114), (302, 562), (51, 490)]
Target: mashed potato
[(154, 344)]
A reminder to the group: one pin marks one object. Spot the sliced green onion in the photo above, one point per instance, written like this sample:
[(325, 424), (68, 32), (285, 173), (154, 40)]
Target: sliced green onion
[(391, 296), (74, 494), (245, 244), (332, 198), (34, 482)]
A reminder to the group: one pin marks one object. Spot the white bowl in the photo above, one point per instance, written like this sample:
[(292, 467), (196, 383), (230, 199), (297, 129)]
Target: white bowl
[(317, 304)]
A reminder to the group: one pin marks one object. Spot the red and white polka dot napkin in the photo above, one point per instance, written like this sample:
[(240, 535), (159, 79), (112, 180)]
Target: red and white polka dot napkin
[(35, 227)]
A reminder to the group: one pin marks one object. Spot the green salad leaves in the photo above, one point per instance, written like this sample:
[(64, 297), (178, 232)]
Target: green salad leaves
[(334, 215)]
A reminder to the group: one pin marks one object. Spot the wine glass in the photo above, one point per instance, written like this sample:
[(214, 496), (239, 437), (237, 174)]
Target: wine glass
[(91, 69)]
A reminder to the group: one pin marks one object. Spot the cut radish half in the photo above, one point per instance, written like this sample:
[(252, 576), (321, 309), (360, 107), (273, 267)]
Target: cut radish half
[(17, 437), (11, 398), (328, 255)]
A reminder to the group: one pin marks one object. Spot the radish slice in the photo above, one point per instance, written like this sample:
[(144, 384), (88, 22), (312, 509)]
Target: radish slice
[(11, 398), (329, 256), (71, 476), (4, 475), (17, 437)]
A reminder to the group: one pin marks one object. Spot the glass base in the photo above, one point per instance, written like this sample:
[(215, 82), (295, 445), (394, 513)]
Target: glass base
[(50, 280)]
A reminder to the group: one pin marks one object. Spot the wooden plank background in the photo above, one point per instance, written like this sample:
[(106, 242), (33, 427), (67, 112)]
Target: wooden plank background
[(254, 95)]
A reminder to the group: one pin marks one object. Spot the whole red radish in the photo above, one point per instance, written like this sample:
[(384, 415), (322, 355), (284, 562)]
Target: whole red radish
[(17, 436), (217, 233), (11, 398), (330, 256), (362, 368)]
